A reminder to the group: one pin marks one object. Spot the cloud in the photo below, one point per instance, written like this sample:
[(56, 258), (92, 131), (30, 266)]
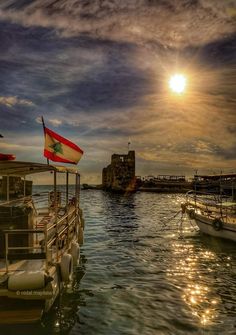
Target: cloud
[(4, 145), (139, 21), (98, 71), (13, 100), (55, 122), (39, 119)]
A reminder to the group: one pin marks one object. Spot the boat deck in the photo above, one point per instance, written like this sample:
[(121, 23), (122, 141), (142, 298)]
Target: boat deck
[(23, 265)]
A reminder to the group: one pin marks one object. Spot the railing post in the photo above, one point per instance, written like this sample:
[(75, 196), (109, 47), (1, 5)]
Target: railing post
[(56, 210), (46, 246), (78, 176), (67, 208), (24, 186), (6, 251), (8, 189), (77, 189), (67, 188)]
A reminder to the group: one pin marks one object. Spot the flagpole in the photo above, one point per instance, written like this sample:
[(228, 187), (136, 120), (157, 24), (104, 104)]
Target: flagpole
[(129, 145), (44, 134)]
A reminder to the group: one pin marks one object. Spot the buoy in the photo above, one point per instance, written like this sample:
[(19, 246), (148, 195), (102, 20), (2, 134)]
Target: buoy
[(27, 281), (66, 266), (75, 253)]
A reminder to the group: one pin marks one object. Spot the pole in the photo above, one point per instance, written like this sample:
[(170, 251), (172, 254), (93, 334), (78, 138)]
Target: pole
[(129, 143), (44, 133), (77, 190), (56, 212), (8, 188), (195, 187), (67, 189), (24, 187)]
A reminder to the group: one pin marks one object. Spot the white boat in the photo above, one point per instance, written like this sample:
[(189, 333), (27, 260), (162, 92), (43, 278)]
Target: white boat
[(40, 238), (214, 214)]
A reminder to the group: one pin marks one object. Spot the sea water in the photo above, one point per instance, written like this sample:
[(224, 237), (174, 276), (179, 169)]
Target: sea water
[(143, 272)]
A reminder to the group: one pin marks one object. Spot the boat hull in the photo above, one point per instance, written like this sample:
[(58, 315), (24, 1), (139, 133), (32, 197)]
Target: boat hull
[(16, 311), (228, 231), (28, 305)]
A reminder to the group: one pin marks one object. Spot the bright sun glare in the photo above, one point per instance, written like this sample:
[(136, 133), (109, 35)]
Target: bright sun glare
[(177, 83)]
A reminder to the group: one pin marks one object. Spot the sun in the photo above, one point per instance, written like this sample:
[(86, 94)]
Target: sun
[(177, 83)]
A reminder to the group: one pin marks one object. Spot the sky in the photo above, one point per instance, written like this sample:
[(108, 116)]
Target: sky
[(98, 72)]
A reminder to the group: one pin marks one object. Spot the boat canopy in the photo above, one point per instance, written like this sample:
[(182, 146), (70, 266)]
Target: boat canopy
[(21, 169)]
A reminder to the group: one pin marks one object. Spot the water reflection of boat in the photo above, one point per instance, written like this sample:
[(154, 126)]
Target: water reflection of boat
[(40, 238), (214, 214)]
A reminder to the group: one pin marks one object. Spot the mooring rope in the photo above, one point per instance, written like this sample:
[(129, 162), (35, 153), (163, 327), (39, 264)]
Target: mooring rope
[(171, 218), (179, 223)]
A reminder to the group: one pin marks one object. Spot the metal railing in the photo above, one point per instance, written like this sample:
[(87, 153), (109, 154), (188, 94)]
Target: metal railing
[(54, 238), (212, 205)]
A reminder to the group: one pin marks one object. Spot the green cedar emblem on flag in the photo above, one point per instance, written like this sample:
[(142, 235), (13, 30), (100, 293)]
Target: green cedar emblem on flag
[(57, 148)]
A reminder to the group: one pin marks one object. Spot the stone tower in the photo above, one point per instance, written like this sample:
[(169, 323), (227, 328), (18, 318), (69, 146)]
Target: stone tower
[(120, 174)]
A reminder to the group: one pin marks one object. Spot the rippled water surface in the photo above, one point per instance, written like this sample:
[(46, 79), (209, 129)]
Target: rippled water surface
[(137, 275)]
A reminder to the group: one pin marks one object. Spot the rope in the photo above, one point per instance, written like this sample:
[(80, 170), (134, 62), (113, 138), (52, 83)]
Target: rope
[(179, 223), (164, 224)]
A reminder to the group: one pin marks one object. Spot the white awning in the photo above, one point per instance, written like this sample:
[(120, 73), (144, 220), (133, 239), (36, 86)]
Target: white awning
[(21, 169)]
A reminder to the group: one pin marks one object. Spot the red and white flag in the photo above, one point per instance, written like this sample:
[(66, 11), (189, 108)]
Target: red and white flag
[(59, 149)]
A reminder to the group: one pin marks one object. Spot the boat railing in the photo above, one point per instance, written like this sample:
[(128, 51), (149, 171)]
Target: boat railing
[(48, 241), (47, 200), (210, 198), (20, 255), (43, 198), (213, 205)]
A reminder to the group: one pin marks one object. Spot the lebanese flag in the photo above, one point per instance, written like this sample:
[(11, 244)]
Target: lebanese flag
[(59, 149)]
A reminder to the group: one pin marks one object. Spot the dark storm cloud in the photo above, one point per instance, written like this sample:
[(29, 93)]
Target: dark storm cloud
[(17, 120), (222, 51), (114, 83), (117, 85)]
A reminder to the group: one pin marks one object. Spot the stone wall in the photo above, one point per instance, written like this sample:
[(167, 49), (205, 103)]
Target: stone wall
[(120, 174)]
